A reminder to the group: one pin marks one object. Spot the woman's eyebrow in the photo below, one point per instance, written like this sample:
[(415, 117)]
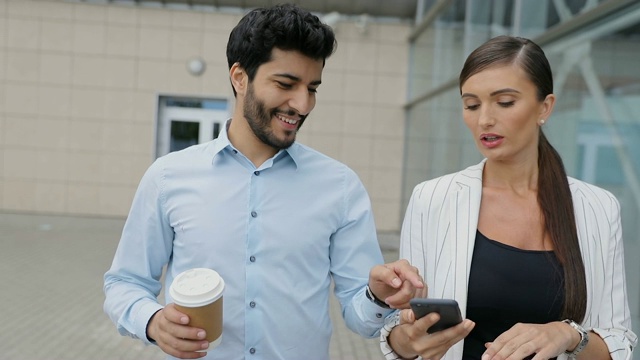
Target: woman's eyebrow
[(506, 90), (497, 92)]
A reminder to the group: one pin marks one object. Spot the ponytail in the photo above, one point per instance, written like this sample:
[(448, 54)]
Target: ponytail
[(554, 197)]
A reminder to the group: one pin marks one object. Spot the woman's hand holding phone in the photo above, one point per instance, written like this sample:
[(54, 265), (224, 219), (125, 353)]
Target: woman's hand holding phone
[(411, 337), (448, 310)]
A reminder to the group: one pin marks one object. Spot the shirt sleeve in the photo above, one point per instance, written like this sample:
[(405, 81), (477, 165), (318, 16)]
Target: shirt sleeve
[(132, 284), (354, 250), (393, 319), (613, 320)]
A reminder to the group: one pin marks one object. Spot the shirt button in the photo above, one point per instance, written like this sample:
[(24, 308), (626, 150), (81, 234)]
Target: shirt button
[(235, 151), (252, 350), (252, 304), (378, 315), (254, 214), (252, 258), (256, 173)]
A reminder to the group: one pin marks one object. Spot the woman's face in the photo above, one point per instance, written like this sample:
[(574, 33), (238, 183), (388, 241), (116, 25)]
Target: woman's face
[(503, 113)]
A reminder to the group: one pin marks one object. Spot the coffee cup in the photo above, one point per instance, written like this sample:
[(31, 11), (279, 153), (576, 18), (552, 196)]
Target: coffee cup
[(198, 294)]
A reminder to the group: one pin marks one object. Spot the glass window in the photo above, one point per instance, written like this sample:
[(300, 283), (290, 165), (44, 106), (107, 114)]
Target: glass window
[(596, 121), (183, 134)]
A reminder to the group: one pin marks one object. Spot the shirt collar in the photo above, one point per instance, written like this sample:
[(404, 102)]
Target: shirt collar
[(222, 142)]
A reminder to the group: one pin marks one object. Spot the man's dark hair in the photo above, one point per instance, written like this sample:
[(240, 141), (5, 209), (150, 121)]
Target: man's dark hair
[(286, 27)]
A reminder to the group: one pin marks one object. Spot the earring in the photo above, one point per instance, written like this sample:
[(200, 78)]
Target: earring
[(541, 122)]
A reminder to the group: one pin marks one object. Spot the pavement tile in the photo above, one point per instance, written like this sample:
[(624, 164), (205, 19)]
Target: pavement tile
[(51, 270)]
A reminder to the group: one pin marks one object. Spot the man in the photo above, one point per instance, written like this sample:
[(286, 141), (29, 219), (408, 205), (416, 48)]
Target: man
[(276, 219)]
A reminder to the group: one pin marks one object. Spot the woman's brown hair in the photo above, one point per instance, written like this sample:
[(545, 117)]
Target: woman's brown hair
[(554, 195)]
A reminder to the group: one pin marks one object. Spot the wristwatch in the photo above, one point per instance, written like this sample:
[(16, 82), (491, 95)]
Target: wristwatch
[(371, 296), (584, 338)]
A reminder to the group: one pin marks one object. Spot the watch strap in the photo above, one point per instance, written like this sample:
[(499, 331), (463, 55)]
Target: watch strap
[(372, 297), (584, 338)]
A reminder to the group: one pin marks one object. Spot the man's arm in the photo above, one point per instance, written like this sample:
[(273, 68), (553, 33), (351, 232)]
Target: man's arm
[(132, 284), (354, 252)]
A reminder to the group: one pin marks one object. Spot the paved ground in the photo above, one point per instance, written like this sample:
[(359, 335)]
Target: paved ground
[(51, 270)]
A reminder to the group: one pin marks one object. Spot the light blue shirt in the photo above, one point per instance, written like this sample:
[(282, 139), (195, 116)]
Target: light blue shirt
[(277, 234)]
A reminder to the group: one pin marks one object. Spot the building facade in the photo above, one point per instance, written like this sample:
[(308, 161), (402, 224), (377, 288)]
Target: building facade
[(593, 48), (91, 92)]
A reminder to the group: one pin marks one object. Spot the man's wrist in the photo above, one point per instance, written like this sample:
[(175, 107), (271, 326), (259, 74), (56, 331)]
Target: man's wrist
[(149, 337), (143, 320), (374, 299)]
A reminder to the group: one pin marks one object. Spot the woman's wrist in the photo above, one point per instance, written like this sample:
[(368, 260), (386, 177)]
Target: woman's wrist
[(394, 338), (392, 322), (579, 338), (574, 340)]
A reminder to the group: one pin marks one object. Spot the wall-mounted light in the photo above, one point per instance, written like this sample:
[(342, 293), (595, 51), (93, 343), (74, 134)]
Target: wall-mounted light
[(196, 66)]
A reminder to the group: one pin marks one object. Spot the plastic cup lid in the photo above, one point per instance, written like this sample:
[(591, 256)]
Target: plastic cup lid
[(196, 287)]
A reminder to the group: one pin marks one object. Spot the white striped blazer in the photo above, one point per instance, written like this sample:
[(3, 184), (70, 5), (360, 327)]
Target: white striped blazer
[(438, 236)]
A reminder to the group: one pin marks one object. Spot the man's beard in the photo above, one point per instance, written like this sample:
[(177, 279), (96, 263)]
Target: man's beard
[(259, 120)]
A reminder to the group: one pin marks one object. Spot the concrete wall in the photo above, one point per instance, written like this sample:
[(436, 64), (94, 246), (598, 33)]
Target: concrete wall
[(79, 84)]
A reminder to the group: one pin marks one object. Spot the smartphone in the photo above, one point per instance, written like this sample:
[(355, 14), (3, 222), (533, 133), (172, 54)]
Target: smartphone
[(447, 308)]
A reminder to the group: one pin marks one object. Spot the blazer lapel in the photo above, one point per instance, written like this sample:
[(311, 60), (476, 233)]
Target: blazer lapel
[(465, 208), (465, 205)]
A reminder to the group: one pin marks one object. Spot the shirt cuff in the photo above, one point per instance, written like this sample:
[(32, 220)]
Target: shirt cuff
[(142, 319), (390, 322), (619, 346), (374, 313)]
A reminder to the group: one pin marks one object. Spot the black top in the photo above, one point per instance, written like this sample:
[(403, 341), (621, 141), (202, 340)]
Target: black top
[(508, 285)]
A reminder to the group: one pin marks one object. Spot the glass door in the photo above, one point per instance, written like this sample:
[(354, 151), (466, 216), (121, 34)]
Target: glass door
[(183, 122)]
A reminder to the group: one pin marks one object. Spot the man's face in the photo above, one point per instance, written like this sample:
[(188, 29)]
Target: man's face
[(281, 95)]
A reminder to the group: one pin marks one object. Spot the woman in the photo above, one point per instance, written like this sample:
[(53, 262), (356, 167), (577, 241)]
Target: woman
[(533, 257)]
